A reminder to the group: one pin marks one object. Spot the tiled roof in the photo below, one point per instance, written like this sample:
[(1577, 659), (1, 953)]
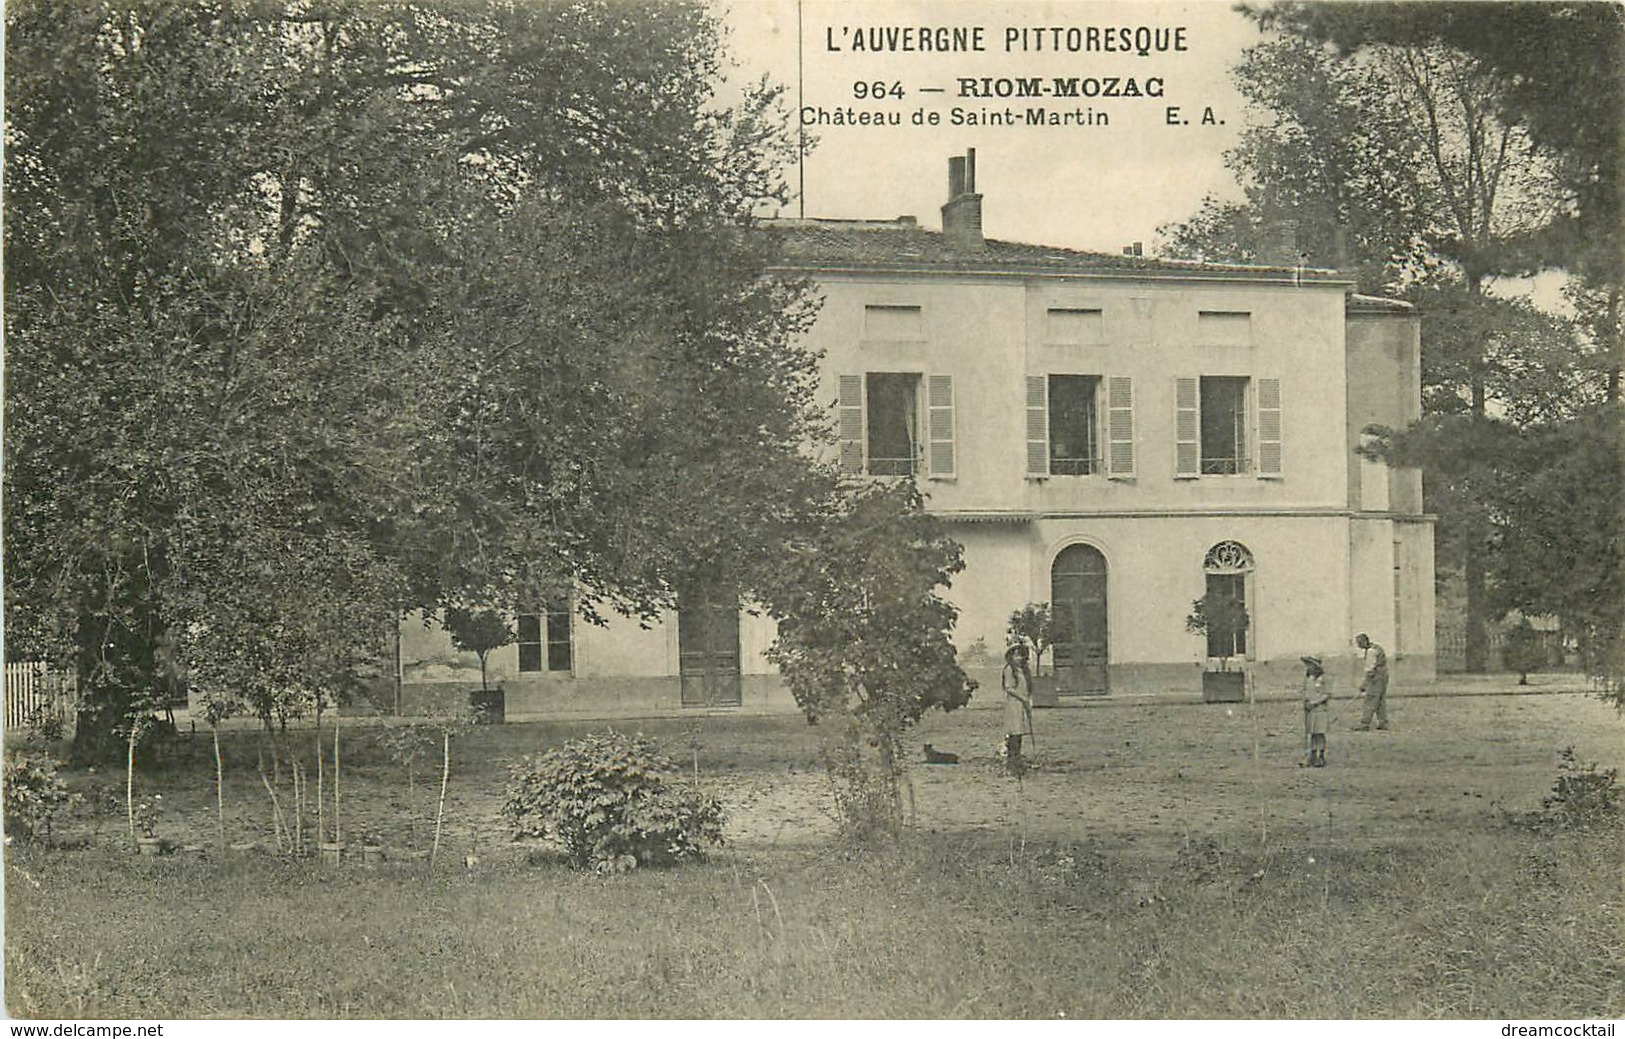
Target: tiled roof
[(901, 245)]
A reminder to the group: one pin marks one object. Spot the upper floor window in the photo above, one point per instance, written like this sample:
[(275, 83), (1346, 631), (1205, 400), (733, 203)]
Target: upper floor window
[(896, 424), (1074, 435), (1080, 425), (546, 638), (1224, 425), (892, 404), (1227, 425), (1224, 328)]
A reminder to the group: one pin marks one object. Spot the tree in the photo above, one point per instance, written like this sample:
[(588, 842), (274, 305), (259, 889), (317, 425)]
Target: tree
[(418, 305), (1221, 620), (478, 632), (1441, 184), (1032, 624), (864, 638)]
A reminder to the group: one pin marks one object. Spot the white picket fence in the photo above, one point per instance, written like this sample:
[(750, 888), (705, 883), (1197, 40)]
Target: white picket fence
[(32, 688)]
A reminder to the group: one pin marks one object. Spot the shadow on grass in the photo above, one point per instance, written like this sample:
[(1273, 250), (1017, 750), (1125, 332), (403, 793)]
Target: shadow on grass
[(1494, 922)]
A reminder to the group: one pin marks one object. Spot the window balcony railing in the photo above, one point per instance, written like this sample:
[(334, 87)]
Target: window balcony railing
[(1229, 466), (891, 466), (1075, 466)]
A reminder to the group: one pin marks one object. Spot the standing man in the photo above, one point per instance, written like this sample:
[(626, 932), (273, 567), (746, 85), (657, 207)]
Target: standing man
[(1017, 681), (1375, 683)]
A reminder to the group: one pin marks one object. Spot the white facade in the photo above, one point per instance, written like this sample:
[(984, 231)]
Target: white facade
[(1046, 399)]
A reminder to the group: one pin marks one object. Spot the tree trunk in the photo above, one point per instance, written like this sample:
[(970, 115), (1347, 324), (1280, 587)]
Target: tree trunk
[(1476, 650), (1477, 644), (219, 786), (440, 812)]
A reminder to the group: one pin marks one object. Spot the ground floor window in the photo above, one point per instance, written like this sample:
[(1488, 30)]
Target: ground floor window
[(545, 638)]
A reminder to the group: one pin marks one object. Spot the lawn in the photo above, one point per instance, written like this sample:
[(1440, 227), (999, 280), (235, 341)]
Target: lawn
[(1161, 860)]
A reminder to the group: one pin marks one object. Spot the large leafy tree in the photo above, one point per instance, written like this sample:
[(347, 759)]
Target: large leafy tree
[(1442, 181), (317, 312), (865, 637)]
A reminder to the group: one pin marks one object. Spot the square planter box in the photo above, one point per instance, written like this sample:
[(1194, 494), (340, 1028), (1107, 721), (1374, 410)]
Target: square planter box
[(1224, 686), (1044, 694), (491, 703)]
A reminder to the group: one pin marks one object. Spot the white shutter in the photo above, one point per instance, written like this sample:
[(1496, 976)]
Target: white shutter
[(939, 424), (1120, 427), (1187, 429), (1269, 428), (849, 424), (1037, 426)]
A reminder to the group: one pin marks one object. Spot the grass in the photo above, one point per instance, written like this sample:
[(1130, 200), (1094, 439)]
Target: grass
[(1408, 881)]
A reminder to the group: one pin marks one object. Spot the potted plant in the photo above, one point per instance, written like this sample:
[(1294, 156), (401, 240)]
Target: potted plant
[(1221, 620), (1032, 624), (479, 632), (147, 841), (372, 847)]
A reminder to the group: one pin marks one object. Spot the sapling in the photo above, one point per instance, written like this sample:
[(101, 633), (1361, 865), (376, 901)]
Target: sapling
[(449, 726), (338, 828)]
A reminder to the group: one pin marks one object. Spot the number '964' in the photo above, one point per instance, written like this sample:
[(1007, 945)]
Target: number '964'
[(876, 90)]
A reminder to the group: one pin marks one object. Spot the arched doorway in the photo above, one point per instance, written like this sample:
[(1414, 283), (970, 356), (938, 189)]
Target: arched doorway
[(1077, 581)]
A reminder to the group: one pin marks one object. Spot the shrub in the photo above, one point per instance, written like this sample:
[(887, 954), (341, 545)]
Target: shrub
[(609, 801), (1583, 796), (34, 795)]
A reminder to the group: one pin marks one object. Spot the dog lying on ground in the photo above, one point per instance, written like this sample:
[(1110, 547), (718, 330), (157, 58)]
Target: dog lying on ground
[(933, 756)]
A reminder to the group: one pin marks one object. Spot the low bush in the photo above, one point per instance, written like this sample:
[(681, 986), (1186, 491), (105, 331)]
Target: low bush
[(1584, 795), (34, 796), (610, 801)]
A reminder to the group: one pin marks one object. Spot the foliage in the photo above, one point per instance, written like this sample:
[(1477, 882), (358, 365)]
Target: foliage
[(148, 812), (1583, 796), (423, 303), (1413, 145), (34, 796), (1220, 619), (864, 638), (1032, 624), (1522, 650), (45, 722), (610, 800), (478, 632)]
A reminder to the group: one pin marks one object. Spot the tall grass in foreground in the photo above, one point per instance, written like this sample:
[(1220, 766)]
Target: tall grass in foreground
[(1492, 923)]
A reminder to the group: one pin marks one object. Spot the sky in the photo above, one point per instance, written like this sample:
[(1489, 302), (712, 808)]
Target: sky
[(1130, 166)]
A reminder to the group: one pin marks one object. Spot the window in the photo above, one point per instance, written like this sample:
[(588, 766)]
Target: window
[(1216, 416), (1065, 434), (1224, 328), (1074, 443), (1224, 425), (1228, 568), (893, 406), (896, 424), (1071, 327), (546, 637)]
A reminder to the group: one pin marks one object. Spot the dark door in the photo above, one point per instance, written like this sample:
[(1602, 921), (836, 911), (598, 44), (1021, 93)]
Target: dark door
[(708, 652), (1078, 605)]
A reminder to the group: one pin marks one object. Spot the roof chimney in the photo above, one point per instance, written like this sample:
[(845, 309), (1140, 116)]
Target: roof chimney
[(962, 214), (1278, 245)]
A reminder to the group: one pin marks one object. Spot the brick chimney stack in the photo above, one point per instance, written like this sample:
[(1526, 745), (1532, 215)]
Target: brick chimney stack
[(1279, 247), (962, 214)]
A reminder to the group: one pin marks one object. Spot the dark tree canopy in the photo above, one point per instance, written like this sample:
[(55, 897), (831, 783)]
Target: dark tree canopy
[(316, 312)]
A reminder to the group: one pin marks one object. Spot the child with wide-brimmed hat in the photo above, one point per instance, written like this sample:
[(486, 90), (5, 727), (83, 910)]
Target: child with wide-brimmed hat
[(1317, 695)]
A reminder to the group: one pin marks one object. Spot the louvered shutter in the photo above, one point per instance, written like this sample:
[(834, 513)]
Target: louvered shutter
[(1187, 429), (939, 424), (1269, 428), (849, 423), (1120, 427), (1037, 426)]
